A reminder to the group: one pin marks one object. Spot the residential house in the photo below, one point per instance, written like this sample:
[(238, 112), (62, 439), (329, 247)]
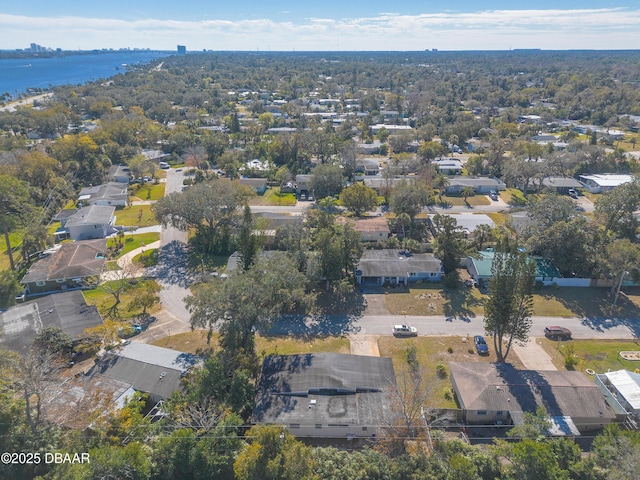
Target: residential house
[(479, 267), (146, 368), (66, 266), (397, 267), (94, 221), (470, 221), (481, 185), (324, 394), (499, 394), (448, 166), (622, 389), (119, 174), (561, 185), (381, 184), (368, 166), (303, 184), (372, 229), (112, 193), (603, 182), (258, 185), (68, 311)]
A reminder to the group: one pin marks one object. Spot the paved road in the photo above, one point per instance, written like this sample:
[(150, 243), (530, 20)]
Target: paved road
[(171, 271), (441, 325)]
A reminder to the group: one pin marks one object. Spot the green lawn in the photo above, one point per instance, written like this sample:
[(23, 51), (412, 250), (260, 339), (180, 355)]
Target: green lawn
[(136, 215), (131, 242), (148, 191), (597, 355), (273, 197), (104, 300), (458, 201), (148, 258)]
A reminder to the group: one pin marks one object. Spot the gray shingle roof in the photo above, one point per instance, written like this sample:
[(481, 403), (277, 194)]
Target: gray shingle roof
[(483, 386), (92, 215), (323, 388), (394, 263), (147, 368), (67, 310), (71, 260)]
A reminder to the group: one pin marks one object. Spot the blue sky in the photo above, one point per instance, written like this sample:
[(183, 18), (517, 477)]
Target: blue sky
[(321, 25)]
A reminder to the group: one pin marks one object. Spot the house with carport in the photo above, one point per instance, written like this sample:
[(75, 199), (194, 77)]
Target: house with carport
[(397, 267), (499, 394)]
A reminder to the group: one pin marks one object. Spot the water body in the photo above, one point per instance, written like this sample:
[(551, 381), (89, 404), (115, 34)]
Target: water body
[(18, 75)]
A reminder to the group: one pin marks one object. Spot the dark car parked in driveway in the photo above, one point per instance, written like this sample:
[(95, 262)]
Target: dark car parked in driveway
[(481, 345)]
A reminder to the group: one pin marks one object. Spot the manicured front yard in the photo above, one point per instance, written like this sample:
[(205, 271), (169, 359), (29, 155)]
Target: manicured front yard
[(273, 197), (458, 201), (148, 191), (136, 215), (131, 242)]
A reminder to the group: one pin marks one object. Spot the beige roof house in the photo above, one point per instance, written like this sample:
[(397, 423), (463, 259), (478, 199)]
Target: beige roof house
[(500, 393)]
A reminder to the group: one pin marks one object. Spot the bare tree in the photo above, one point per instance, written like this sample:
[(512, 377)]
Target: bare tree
[(37, 376), (401, 418)]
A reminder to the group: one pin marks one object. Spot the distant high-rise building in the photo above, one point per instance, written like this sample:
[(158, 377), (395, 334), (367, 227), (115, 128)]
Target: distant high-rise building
[(182, 50)]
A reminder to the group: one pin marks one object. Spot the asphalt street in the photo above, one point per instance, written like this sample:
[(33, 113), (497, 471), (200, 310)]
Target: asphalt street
[(440, 325)]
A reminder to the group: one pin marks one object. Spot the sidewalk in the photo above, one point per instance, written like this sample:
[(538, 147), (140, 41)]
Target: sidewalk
[(125, 262)]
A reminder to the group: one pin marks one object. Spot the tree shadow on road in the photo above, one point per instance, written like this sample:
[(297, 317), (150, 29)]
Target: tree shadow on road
[(172, 265), (596, 307)]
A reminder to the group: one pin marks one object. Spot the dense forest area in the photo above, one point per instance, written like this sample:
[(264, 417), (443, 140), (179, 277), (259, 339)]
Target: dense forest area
[(302, 113)]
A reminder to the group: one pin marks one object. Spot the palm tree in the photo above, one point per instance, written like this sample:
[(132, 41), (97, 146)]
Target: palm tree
[(440, 183), (467, 192)]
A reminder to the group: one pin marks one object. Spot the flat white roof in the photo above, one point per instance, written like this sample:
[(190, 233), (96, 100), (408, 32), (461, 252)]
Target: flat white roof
[(608, 179), (628, 384)]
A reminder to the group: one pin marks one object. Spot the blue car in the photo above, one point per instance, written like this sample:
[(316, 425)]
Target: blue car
[(481, 345)]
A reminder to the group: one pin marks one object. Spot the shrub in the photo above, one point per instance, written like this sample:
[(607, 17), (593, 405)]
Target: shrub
[(570, 359), (441, 371), (449, 349)]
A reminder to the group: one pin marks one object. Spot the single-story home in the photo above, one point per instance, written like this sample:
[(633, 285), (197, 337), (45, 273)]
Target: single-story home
[(94, 221), (471, 221), (602, 182), (324, 394), (481, 185), (479, 267), (119, 173), (68, 311), (66, 266), (448, 166), (622, 389), (499, 394), (259, 185), (562, 185), (381, 184), (372, 229), (146, 368), (368, 166), (397, 267), (111, 193)]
